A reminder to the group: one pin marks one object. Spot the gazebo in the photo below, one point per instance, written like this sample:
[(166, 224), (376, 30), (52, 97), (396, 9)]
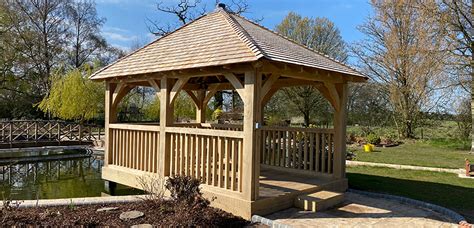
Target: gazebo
[(249, 168)]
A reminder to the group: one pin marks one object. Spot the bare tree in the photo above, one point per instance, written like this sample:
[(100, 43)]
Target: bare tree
[(404, 52), (85, 24), (323, 36), (186, 11)]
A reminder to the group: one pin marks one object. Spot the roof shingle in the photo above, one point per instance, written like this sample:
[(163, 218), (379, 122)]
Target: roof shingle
[(217, 38)]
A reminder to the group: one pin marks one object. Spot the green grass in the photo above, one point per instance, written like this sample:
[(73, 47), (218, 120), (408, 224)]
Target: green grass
[(443, 189), (430, 153)]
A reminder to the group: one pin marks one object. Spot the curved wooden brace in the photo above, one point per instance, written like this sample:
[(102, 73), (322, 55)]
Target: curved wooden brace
[(177, 88), (268, 84), (193, 97), (120, 91), (239, 87)]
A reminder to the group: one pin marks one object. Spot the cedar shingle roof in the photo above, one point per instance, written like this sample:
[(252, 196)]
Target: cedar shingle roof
[(217, 38)]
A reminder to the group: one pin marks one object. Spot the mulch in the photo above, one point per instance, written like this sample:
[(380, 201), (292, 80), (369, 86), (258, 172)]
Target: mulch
[(166, 213)]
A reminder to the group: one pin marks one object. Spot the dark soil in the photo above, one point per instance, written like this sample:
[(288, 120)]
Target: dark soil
[(166, 213)]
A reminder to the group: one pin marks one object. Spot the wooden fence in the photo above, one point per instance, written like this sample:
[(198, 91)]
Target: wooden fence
[(39, 131), (306, 149)]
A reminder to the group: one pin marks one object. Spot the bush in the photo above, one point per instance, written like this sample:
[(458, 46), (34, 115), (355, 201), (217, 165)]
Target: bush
[(372, 138), (185, 189)]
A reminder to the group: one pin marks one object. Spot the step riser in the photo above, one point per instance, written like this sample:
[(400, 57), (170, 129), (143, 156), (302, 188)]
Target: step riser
[(306, 202)]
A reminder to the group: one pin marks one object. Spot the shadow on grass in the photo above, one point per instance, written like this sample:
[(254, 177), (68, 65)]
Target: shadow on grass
[(457, 198)]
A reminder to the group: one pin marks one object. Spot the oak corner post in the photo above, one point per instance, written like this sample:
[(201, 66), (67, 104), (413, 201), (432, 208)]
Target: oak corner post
[(340, 122), (252, 109), (110, 117)]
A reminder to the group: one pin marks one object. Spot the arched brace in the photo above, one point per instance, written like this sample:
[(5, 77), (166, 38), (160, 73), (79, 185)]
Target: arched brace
[(177, 87), (238, 85), (119, 93), (334, 93), (194, 98)]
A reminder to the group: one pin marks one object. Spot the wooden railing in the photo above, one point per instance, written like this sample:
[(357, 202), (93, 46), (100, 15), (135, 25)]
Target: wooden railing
[(307, 149), (214, 156), (227, 127), (18, 131), (134, 146)]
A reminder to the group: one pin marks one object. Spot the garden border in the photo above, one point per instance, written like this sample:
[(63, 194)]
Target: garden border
[(76, 201), (407, 167)]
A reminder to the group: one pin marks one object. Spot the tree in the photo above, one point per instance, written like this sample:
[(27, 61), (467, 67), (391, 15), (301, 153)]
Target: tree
[(39, 37), (321, 35), (457, 14), (403, 52), (73, 96), (85, 39)]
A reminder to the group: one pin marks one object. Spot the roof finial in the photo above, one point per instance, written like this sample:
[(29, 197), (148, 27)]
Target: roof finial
[(220, 6)]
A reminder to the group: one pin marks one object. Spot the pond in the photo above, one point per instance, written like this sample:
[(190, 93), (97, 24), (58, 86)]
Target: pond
[(53, 174)]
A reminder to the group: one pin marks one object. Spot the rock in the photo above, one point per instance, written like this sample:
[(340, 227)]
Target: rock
[(131, 215), (142, 226), (107, 209)]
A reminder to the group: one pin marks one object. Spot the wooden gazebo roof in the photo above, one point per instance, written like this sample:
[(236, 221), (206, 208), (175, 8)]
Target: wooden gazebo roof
[(220, 38)]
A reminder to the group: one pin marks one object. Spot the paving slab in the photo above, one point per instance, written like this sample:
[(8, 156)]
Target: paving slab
[(363, 211)]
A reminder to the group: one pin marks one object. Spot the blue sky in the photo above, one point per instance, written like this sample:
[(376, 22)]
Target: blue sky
[(126, 19)]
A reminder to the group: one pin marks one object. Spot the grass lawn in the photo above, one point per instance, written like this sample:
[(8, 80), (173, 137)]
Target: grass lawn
[(443, 189), (430, 153)]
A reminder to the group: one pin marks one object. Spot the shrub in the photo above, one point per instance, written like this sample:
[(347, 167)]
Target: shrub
[(372, 138), (216, 115), (185, 189)]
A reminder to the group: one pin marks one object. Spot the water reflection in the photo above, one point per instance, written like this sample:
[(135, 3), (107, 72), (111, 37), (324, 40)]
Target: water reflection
[(54, 179)]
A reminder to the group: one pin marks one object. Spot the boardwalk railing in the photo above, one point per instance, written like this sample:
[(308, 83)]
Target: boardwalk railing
[(24, 131), (306, 149)]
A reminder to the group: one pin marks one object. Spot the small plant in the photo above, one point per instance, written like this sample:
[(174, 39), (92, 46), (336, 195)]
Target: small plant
[(185, 189), (373, 138), (153, 187), (216, 115), (71, 205)]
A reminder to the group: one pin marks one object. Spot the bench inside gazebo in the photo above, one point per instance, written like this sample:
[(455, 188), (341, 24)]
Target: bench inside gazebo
[(249, 168)]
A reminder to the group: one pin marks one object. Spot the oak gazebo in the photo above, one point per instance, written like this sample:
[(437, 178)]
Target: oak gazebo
[(249, 168)]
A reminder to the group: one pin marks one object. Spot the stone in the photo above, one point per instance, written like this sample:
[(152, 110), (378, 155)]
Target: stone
[(107, 209), (142, 226), (128, 215)]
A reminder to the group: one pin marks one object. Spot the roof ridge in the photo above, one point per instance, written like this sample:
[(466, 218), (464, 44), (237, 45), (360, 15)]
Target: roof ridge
[(243, 35), (303, 46), (156, 40)]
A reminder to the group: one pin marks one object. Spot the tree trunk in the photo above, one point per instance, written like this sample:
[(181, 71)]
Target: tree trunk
[(219, 100), (306, 119), (472, 112)]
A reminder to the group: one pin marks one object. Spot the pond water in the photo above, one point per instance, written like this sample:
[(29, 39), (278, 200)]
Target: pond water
[(53, 174)]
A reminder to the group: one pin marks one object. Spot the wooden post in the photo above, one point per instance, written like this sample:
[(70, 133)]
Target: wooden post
[(201, 107), (340, 121), (252, 106), (110, 117), (166, 119)]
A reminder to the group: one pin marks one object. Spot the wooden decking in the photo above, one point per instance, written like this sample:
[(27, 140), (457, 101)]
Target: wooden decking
[(279, 188)]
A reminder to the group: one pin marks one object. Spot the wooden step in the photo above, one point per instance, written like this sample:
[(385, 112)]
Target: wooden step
[(318, 201)]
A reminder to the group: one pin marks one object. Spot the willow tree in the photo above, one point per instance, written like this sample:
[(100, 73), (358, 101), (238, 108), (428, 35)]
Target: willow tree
[(73, 96), (404, 51), (321, 35)]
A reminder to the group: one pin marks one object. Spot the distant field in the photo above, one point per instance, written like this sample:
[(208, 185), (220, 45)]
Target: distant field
[(432, 153), (444, 189)]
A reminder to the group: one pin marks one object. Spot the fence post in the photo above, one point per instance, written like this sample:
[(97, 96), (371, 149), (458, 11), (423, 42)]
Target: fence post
[(80, 133)]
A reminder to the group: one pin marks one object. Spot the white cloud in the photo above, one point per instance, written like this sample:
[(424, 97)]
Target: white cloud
[(119, 37)]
